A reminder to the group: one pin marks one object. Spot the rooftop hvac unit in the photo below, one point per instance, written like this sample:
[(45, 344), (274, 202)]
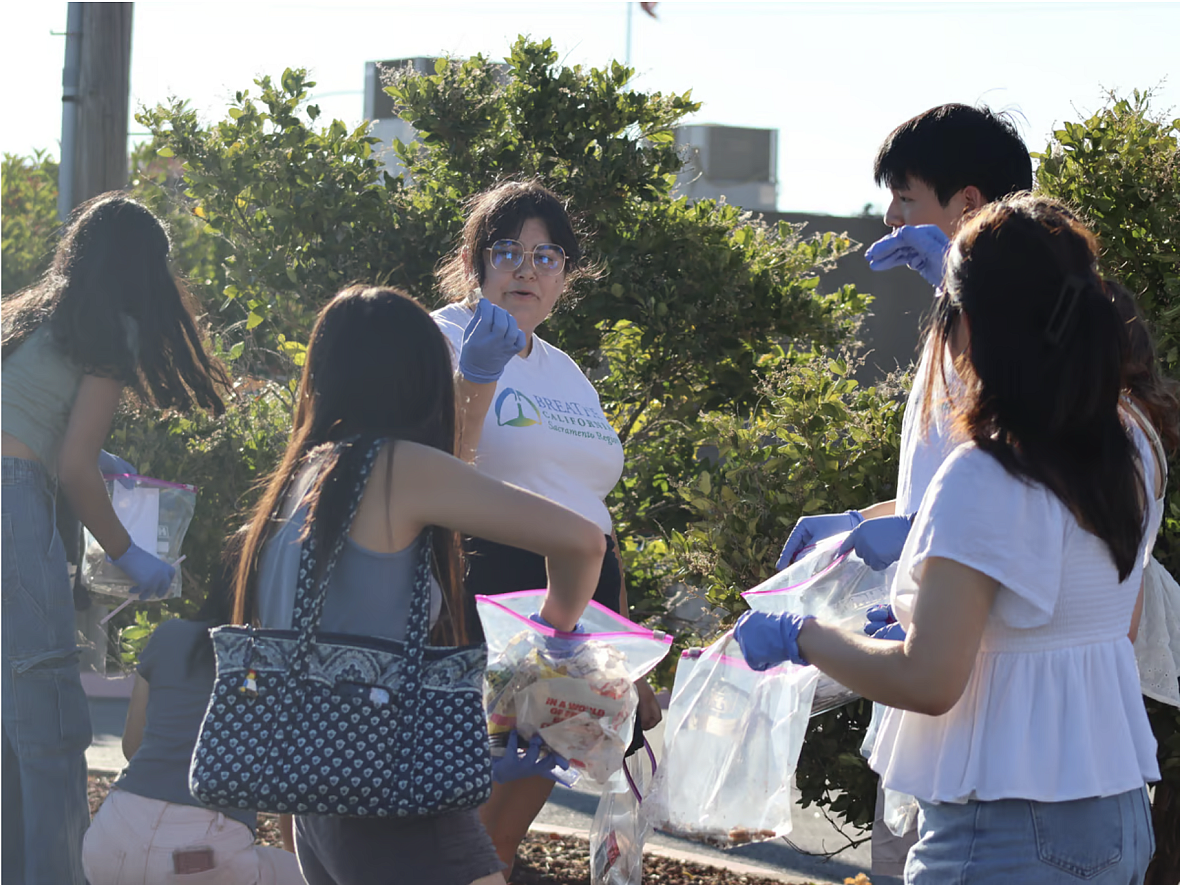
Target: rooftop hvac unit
[(734, 162)]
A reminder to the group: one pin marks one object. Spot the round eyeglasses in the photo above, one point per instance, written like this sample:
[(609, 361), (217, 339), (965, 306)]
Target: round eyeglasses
[(548, 258)]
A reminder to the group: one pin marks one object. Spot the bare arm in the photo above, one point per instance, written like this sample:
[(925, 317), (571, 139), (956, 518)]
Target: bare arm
[(77, 463), (136, 717), (472, 402), (432, 488), (929, 671), (882, 508)]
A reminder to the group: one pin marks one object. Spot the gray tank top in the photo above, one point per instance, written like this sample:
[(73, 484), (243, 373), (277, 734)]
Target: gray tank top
[(368, 592)]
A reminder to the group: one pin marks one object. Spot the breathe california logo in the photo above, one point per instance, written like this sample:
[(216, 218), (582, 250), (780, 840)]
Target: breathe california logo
[(510, 409)]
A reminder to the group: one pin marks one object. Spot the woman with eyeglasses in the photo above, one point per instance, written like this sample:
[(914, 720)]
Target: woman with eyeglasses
[(527, 416)]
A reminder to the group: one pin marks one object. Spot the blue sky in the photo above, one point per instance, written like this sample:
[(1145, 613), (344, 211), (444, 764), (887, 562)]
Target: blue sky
[(833, 77)]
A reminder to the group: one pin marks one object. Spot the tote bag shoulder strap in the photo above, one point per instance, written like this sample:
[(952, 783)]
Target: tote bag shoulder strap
[(310, 590)]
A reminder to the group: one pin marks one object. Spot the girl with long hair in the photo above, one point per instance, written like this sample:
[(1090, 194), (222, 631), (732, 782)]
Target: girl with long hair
[(107, 315), (1017, 720), (378, 368), (527, 415)]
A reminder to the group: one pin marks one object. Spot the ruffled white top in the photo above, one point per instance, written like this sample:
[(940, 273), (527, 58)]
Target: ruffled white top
[(1052, 710)]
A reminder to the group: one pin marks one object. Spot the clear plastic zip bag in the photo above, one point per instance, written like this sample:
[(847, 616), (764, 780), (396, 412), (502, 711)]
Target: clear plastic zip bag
[(156, 515), (731, 744), (838, 589), (574, 689), (620, 828)]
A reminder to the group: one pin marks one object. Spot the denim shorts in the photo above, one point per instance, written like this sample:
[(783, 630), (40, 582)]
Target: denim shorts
[(45, 714), (1099, 841)]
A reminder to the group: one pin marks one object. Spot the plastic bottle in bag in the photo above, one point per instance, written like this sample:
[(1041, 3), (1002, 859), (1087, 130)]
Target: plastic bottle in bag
[(732, 738), (620, 828)]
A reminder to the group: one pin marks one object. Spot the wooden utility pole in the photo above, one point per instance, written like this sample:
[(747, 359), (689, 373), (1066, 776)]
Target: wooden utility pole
[(96, 161)]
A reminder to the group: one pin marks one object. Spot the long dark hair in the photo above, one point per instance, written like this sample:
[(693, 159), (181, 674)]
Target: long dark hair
[(500, 213), (218, 606), (377, 367), (111, 264), (1157, 395), (1043, 369)]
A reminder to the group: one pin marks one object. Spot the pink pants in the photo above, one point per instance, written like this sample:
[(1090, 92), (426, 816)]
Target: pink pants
[(131, 840)]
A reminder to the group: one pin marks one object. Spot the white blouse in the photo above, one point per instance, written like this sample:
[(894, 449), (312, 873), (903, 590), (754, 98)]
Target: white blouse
[(1052, 709)]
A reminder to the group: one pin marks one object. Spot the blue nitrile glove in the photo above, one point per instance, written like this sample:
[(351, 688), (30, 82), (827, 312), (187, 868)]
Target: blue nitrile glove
[(536, 618), (114, 465), (490, 340), (767, 639), (152, 576), (516, 764), (920, 246), (881, 624), (811, 529), (879, 541)]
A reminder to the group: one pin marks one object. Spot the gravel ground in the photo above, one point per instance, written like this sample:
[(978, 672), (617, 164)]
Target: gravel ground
[(546, 859)]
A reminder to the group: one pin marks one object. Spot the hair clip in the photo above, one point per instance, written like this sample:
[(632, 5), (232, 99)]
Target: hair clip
[(1063, 310)]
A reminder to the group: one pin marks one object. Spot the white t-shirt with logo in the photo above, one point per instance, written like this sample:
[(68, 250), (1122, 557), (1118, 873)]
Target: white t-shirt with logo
[(545, 430)]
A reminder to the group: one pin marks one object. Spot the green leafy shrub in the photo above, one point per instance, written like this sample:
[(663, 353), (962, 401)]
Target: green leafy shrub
[(815, 442), (1121, 168), (225, 458), (28, 218), (689, 301), (300, 211)]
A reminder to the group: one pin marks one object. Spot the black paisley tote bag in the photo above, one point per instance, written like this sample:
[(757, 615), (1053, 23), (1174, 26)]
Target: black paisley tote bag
[(307, 723)]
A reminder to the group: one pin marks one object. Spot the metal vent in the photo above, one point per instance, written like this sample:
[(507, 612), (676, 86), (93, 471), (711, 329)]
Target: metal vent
[(740, 155)]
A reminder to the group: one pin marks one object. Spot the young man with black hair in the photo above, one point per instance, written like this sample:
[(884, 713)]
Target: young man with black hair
[(939, 166)]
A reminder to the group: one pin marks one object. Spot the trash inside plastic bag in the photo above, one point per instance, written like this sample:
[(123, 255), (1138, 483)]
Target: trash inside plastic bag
[(837, 589), (156, 515), (620, 826), (574, 689), (732, 738)]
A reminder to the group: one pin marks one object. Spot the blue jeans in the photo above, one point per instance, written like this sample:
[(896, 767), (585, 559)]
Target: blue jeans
[(1099, 841), (46, 720)]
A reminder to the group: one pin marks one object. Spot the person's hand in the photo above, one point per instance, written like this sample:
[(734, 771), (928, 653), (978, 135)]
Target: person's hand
[(881, 624), (109, 465), (879, 541), (922, 247), (767, 639), (152, 576), (811, 529), (536, 618), (649, 710), (490, 340), (516, 763), (562, 645)]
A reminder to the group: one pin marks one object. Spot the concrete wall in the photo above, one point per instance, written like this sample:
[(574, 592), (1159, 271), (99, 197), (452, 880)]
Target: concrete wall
[(902, 298)]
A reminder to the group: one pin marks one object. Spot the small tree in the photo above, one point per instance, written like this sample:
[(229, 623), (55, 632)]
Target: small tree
[(28, 217), (814, 442), (691, 299), (1121, 169)]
